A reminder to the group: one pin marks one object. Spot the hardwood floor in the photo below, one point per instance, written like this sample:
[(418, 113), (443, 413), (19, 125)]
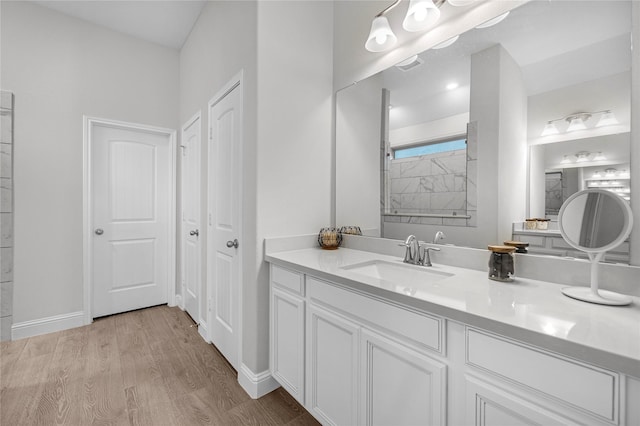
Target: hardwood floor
[(146, 367)]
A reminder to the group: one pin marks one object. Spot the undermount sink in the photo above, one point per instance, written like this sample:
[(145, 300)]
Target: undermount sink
[(398, 272)]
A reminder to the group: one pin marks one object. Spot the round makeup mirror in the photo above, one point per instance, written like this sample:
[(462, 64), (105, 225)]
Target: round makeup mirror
[(595, 221)]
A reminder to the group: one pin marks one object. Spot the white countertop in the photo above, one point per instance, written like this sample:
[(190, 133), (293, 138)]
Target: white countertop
[(534, 312)]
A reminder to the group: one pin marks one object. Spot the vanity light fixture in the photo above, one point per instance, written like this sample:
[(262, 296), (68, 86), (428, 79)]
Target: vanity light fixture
[(607, 119), (599, 157), (421, 15), (494, 21), (461, 2), (610, 172), (446, 43), (596, 175), (577, 121), (582, 156), (550, 129), (565, 160)]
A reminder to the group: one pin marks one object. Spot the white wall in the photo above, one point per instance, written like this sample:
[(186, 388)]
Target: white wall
[(59, 69), (295, 107), (454, 125), (207, 62), (358, 119)]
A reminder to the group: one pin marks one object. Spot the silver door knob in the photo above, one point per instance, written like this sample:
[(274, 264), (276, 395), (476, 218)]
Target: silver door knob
[(194, 232), (99, 231), (233, 243)]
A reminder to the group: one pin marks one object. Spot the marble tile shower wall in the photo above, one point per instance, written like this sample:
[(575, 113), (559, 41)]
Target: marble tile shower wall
[(445, 183), (6, 215), (433, 183)]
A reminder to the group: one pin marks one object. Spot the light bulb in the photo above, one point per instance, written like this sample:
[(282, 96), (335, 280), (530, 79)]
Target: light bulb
[(576, 123), (420, 14), (549, 129), (381, 38)]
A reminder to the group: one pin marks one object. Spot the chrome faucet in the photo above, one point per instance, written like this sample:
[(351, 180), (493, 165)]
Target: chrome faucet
[(412, 252), (417, 253), (439, 236)]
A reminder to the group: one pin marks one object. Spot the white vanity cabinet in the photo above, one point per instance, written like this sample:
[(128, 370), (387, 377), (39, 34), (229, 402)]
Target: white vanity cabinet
[(512, 383), (332, 367), (353, 357), (365, 361), (286, 329)]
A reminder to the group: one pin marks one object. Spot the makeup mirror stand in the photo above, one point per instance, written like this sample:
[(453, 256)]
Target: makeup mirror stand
[(593, 294)]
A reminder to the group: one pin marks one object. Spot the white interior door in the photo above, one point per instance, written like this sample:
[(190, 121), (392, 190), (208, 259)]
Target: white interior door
[(190, 229), (224, 264), (131, 219)]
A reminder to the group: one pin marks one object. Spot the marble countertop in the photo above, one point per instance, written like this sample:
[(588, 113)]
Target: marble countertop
[(531, 311)]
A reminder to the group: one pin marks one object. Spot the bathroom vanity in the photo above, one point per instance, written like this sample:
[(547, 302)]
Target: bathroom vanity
[(359, 337)]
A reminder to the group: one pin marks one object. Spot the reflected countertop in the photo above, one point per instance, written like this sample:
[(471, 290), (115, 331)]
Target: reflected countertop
[(531, 311)]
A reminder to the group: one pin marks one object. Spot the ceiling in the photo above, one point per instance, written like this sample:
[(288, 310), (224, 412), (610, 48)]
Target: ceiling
[(165, 22), (556, 43)]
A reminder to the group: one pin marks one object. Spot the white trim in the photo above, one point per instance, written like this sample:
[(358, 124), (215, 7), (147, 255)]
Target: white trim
[(87, 226), (237, 81), (181, 237), (204, 331), (256, 385), (52, 324)]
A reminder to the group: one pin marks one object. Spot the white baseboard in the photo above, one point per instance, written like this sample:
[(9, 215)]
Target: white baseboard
[(202, 330), (52, 324), (256, 385), (178, 301)]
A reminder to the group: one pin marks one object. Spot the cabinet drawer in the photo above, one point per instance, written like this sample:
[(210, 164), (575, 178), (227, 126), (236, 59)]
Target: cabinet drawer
[(424, 330), (285, 278), (586, 387)]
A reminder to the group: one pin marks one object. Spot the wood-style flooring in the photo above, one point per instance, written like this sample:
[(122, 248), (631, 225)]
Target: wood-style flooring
[(147, 367)]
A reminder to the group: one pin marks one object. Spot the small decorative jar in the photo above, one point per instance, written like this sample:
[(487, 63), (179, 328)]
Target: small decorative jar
[(329, 238), (521, 246), (501, 263), (542, 224), (530, 223), (350, 230)]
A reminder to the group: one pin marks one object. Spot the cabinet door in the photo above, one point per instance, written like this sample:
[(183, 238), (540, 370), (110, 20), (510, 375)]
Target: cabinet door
[(332, 356), (489, 405), (400, 386), (287, 342)]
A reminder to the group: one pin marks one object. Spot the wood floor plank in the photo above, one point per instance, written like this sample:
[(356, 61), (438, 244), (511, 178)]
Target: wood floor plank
[(281, 406), (147, 367), (9, 354), (23, 390)]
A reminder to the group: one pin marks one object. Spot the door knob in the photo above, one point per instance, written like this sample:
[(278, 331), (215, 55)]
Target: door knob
[(233, 243), (194, 232), (99, 231)]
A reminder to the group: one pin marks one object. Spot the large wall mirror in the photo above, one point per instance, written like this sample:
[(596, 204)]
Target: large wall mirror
[(409, 140)]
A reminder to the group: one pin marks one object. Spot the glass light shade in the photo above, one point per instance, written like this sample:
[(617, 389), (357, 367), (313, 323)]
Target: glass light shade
[(549, 129), (565, 160), (460, 2), (446, 43), (607, 119), (381, 37), (576, 123), (410, 60), (421, 15), (599, 157), (582, 156), (494, 21)]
